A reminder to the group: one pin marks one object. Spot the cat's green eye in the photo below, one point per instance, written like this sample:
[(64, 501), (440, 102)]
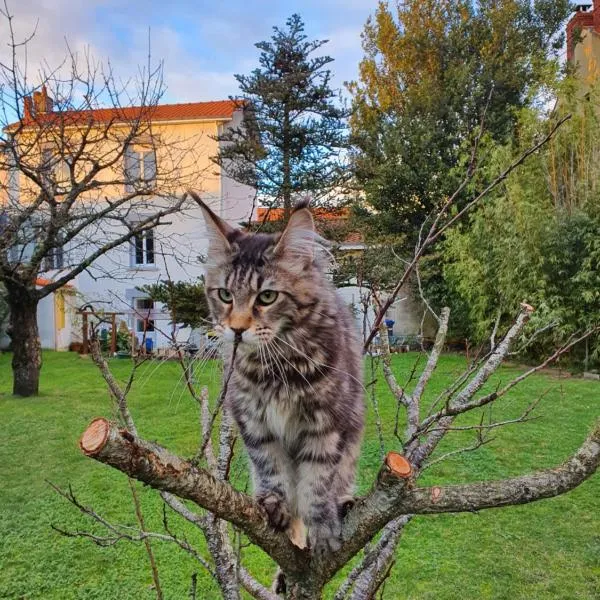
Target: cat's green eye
[(225, 296), (267, 297)]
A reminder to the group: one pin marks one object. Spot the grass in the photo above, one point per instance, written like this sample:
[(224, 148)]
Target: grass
[(547, 550)]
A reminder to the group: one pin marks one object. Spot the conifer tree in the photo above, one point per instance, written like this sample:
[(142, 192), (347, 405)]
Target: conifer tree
[(294, 129)]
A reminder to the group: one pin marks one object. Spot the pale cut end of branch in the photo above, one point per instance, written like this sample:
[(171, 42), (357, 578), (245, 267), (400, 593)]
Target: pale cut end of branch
[(398, 465), (95, 436), (527, 307)]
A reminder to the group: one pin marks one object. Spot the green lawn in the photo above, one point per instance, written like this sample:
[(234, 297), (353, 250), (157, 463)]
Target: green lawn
[(547, 550)]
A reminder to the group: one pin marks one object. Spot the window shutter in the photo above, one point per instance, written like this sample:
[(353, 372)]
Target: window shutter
[(13, 184), (138, 242), (150, 168), (132, 168)]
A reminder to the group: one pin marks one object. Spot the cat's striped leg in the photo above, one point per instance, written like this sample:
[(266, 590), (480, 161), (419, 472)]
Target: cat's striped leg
[(271, 473), (318, 469)]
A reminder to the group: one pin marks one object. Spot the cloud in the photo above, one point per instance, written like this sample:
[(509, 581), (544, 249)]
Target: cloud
[(202, 44)]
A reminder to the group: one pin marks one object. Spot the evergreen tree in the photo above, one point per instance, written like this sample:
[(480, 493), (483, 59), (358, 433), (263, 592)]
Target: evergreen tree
[(185, 301), (294, 128)]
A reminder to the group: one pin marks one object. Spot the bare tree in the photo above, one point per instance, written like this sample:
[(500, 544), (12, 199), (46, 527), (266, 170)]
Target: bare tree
[(71, 187), (395, 495)]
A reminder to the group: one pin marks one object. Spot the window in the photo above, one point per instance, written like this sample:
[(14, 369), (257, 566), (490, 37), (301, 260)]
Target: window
[(139, 167), (62, 174), (47, 167), (143, 310), (143, 248), (56, 171), (25, 242), (144, 325), (55, 259)]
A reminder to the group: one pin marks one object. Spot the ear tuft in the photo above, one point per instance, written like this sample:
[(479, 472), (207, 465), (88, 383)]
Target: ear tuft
[(218, 230), (299, 239)]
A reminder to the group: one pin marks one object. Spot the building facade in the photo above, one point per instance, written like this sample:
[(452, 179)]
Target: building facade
[(178, 144)]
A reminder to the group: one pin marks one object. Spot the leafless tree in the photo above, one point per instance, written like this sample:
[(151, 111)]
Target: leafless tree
[(71, 187), (374, 524)]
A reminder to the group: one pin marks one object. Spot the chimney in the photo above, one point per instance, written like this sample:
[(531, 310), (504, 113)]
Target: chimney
[(586, 16), (47, 101), (42, 102), (27, 109)]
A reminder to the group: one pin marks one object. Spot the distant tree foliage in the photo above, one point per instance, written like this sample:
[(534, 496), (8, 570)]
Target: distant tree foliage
[(294, 128), (424, 82), (185, 301), (539, 238)]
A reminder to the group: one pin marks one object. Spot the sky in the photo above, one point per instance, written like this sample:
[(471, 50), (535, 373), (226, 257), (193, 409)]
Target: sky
[(202, 43)]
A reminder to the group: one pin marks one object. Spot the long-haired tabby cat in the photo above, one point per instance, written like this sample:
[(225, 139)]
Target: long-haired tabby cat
[(296, 390)]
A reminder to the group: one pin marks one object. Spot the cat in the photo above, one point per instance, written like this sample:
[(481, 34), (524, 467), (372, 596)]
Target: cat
[(296, 389)]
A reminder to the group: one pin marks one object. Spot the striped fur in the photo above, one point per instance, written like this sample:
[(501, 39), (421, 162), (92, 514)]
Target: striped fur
[(296, 392)]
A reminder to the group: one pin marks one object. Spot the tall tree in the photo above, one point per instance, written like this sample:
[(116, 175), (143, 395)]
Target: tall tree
[(295, 129), (430, 71)]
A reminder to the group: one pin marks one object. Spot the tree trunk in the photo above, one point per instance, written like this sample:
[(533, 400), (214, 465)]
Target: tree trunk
[(287, 167), (304, 588), (26, 345)]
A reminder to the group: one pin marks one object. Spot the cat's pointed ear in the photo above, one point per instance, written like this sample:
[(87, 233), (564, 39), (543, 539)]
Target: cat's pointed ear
[(299, 236), (219, 232)]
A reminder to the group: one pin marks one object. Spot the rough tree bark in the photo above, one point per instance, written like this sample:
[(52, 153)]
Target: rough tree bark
[(26, 345)]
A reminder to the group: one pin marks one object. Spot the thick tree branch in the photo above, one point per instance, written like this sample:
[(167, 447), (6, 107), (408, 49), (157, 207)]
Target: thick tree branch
[(156, 466), (392, 497)]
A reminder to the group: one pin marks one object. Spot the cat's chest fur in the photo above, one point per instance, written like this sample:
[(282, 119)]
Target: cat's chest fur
[(280, 420)]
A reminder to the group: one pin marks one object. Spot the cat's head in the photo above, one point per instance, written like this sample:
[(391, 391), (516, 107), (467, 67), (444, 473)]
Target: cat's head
[(259, 285)]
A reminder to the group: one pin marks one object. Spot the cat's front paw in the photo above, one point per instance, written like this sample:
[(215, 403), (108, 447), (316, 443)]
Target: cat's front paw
[(325, 537), (276, 509)]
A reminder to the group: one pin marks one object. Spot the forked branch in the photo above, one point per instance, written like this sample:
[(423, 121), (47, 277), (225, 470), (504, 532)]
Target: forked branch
[(392, 494)]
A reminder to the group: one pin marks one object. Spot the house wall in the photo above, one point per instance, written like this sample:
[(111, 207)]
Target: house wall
[(45, 314), (183, 152), (586, 52), (587, 57), (237, 199)]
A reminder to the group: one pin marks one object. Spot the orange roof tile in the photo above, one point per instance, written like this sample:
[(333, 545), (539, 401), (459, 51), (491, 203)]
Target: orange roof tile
[(217, 110), (42, 281), (321, 214)]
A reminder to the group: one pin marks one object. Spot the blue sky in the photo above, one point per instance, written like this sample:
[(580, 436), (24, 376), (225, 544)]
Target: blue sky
[(202, 43)]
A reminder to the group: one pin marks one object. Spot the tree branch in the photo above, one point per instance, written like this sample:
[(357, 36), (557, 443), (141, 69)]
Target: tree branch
[(157, 467)]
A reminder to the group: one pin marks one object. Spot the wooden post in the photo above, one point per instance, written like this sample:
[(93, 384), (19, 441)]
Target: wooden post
[(113, 335), (86, 347)]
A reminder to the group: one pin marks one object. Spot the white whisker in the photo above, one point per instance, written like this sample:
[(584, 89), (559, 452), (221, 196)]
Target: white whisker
[(318, 364)]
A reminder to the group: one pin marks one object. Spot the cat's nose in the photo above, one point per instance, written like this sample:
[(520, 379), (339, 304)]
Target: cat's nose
[(238, 332)]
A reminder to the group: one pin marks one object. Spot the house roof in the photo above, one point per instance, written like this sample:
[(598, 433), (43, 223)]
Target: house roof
[(43, 282), (321, 214), (333, 216), (218, 110)]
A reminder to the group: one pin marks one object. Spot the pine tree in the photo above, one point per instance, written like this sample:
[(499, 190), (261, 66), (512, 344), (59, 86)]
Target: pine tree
[(294, 130)]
